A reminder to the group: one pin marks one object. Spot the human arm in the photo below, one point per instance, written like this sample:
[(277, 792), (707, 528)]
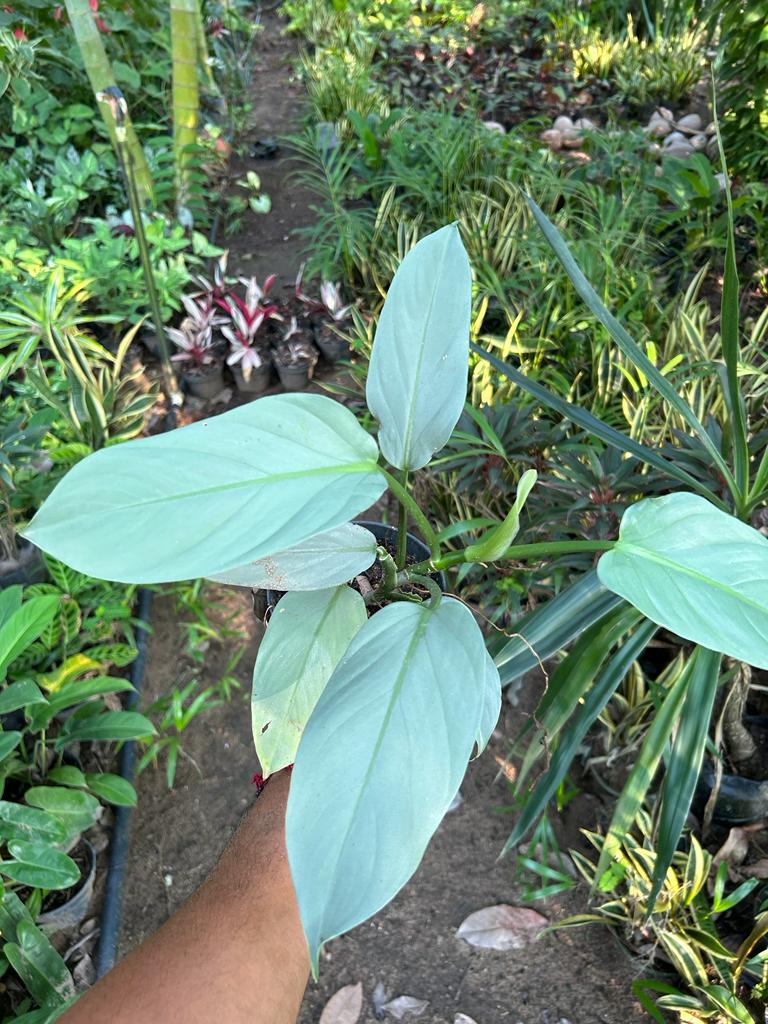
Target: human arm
[(235, 952)]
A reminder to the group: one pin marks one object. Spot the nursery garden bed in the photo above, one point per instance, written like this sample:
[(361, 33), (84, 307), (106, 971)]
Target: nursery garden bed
[(257, 248)]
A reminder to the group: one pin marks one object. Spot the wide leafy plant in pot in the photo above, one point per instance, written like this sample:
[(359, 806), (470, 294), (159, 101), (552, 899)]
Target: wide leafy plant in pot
[(380, 712)]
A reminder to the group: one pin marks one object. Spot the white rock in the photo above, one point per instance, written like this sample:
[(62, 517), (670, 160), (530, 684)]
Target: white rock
[(710, 129), (654, 149), (658, 127), (712, 149), (674, 137), (663, 112), (699, 141), (681, 150), (563, 123), (720, 179), (553, 138), (494, 126), (691, 121), (585, 125), (572, 139)]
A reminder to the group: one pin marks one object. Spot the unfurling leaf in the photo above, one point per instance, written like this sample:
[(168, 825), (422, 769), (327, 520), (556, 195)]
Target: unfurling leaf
[(695, 570), (214, 495), (417, 378), (325, 560), (502, 927), (345, 1006), (495, 542), (380, 761), (306, 637)]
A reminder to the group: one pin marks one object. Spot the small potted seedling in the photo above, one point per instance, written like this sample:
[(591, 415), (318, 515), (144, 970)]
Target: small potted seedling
[(248, 355), (200, 359), (326, 316), (295, 359)]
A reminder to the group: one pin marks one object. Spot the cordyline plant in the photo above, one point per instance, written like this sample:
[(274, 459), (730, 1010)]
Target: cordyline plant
[(380, 712)]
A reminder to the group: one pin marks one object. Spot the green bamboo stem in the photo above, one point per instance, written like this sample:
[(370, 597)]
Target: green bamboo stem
[(186, 91), (99, 72), (202, 46)]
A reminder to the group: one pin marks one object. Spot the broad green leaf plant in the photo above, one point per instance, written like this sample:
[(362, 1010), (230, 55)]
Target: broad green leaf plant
[(380, 694)]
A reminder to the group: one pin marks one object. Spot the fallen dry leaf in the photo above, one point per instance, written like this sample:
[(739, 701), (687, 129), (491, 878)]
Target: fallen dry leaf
[(757, 870), (734, 849), (405, 1006), (345, 1006), (502, 927)]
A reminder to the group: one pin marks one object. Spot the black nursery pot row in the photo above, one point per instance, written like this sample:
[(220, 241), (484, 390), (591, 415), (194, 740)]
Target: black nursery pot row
[(207, 382)]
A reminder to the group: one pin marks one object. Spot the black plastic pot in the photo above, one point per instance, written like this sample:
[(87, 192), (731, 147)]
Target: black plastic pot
[(295, 378), (259, 380), (386, 535), (27, 569), (204, 383), (75, 910), (330, 344), (740, 801)]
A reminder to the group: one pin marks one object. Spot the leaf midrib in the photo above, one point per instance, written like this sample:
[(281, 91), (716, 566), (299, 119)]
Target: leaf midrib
[(298, 474), (651, 556), (416, 379), (418, 633)]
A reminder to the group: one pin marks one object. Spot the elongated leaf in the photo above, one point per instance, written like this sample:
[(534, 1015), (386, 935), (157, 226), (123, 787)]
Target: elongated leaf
[(417, 378), (112, 788), (554, 625), (10, 601), (609, 435), (73, 693), (729, 337), (644, 769), (39, 866), (381, 760), (685, 759), (19, 695), (110, 725), (629, 347), (39, 966), (695, 570), (12, 910), (20, 822), (571, 680), (77, 810), (306, 637), (728, 1004), (571, 738), (24, 626), (325, 560), (8, 742), (491, 706), (213, 495)]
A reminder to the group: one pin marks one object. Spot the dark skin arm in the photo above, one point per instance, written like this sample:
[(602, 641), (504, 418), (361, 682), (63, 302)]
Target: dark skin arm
[(234, 954)]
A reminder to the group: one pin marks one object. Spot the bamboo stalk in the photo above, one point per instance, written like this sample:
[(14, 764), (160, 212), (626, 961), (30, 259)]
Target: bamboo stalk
[(202, 46), (186, 92), (100, 75)]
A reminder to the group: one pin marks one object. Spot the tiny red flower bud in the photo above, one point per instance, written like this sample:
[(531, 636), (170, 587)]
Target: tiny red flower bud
[(20, 34)]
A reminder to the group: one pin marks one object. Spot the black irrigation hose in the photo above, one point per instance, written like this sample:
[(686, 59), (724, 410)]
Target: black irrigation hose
[(118, 850)]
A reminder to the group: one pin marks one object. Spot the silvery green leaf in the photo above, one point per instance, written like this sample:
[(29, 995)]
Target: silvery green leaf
[(214, 495), (491, 708), (325, 560), (695, 570), (417, 378), (306, 636), (381, 759)]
